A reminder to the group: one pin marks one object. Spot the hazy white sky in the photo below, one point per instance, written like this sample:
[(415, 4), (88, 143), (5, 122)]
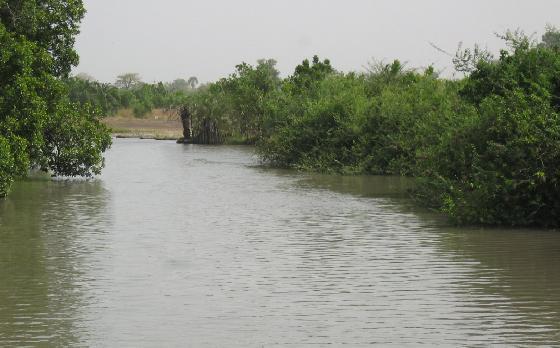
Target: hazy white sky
[(167, 39)]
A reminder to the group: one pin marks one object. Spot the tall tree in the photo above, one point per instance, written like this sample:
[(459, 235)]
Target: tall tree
[(192, 82), (38, 125), (551, 38), (50, 24), (128, 80), (85, 77), (178, 85)]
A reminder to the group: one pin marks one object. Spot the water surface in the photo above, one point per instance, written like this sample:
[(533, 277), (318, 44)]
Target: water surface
[(180, 246)]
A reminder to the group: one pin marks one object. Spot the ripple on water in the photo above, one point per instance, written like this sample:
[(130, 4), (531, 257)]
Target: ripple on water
[(195, 245)]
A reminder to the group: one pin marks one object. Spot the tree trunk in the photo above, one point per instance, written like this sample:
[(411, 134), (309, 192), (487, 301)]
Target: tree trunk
[(187, 124)]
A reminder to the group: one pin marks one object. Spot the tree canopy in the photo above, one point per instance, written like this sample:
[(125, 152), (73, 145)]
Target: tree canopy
[(39, 126), (128, 80)]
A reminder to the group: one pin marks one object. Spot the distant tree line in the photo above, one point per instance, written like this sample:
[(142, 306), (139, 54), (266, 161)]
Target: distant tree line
[(128, 92), (485, 149)]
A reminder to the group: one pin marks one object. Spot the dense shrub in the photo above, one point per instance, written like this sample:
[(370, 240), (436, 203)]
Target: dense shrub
[(502, 164), (323, 132), (409, 111), (376, 123), (533, 69), (485, 149)]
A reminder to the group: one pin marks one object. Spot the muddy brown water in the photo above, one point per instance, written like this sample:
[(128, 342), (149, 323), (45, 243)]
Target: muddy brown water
[(177, 246)]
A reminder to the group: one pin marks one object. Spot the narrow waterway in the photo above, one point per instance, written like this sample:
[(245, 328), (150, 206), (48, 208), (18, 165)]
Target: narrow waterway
[(178, 246)]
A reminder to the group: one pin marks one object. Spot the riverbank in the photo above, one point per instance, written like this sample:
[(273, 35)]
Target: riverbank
[(485, 148), (159, 125)]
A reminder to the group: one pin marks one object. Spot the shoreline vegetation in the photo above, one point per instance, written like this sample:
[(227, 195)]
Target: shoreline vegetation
[(484, 149), (40, 126)]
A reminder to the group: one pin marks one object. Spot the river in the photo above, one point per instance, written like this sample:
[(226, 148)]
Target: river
[(179, 246)]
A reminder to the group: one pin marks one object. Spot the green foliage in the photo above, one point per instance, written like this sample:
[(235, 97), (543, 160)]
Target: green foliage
[(502, 166), (179, 85), (318, 132), (306, 75), (375, 123), (37, 122), (485, 149), (501, 163), (466, 60), (109, 99), (535, 70), (551, 38), (235, 105), (14, 161), (140, 109), (409, 111), (6, 166), (51, 24), (75, 141)]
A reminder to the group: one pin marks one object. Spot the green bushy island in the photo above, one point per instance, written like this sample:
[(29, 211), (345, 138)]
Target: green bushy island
[(484, 149)]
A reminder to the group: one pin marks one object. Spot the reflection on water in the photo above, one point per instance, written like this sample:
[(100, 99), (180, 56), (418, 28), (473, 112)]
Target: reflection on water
[(198, 246), (514, 269), (47, 230), (366, 186)]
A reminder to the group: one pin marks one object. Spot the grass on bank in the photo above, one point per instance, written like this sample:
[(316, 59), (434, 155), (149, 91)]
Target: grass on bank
[(159, 124)]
